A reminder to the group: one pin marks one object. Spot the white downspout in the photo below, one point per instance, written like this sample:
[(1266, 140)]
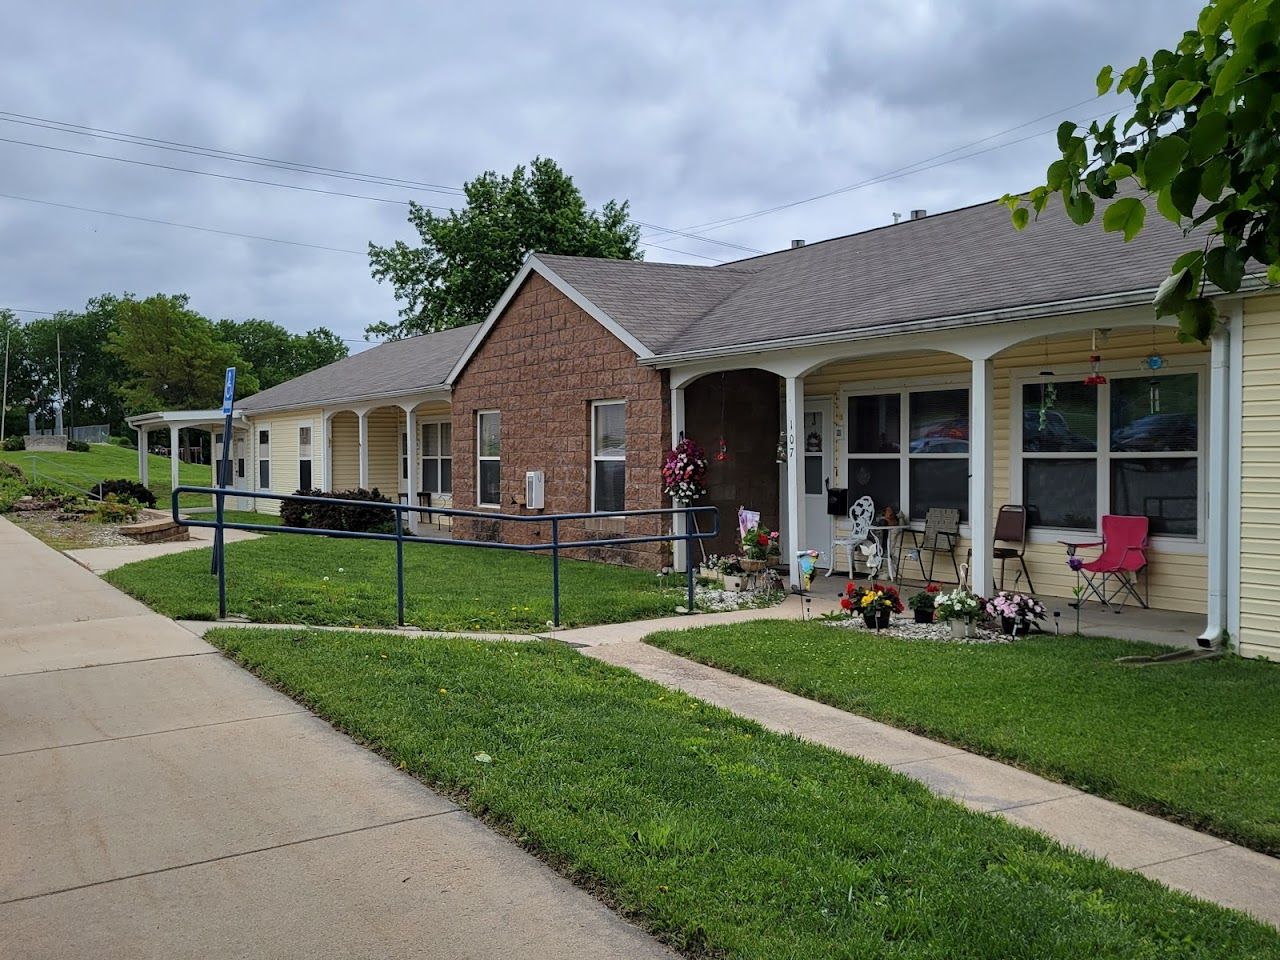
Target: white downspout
[(1218, 481), (1235, 470)]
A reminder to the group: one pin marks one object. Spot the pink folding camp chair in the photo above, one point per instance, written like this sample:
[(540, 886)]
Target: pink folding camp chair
[(1116, 571)]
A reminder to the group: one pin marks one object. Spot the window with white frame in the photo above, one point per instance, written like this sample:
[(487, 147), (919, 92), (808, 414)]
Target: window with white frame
[(1130, 446), (489, 458), (608, 455), (437, 456), (264, 459), (304, 458), (910, 449)]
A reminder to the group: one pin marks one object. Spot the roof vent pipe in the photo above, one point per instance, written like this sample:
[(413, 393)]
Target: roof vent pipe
[(796, 244), (919, 214)]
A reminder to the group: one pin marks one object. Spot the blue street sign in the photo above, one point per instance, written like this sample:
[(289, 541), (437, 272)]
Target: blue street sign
[(229, 391)]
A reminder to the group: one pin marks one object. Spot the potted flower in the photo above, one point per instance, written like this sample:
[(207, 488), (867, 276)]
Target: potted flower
[(877, 603), (731, 571), (960, 609), (921, 603), (756, 544), (1018, 612), (684, 472), (710, 569)]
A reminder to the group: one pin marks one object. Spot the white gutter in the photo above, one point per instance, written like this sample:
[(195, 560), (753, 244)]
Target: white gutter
[(1219, 479), (431, 393)]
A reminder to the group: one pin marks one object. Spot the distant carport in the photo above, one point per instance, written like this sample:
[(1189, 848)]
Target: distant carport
[(175, 420)]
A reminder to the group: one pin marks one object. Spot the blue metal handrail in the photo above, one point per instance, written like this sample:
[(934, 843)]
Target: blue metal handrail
[(221, 524)]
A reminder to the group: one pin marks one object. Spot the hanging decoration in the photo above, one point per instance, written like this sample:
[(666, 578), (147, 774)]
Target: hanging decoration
[(781, 455), (684, 472), (722, 451), (1095, 377)]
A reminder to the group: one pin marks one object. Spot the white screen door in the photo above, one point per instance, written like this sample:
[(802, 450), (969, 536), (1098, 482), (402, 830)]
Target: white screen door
[(815, 446)]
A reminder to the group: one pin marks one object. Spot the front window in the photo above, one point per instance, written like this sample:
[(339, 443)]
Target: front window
[(437, 457), (264, 459), (489, 458), (304, 458), (915, 462), (608, 455), (1129, 446)]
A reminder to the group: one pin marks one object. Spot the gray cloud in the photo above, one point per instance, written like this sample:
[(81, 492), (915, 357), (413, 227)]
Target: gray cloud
[(693, 112)]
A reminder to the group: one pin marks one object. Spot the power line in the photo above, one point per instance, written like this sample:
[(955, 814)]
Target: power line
[(185, 226), (687, 253), (215, 153), (899, 172), (209, 173)]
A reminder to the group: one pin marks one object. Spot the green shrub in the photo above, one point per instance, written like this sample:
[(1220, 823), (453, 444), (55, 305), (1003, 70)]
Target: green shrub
[(15, 441), (77, 446), (11, 470), (12, 489), (125, 490), (114, 509), (323, 516)]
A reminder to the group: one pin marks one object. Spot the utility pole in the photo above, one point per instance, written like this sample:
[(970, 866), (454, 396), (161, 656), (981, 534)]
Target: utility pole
[(4, 393), (58, 346)]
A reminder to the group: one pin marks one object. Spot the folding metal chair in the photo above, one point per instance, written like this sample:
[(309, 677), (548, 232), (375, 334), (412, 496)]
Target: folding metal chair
[(940, 535), (1122, 563), (1011, 528)]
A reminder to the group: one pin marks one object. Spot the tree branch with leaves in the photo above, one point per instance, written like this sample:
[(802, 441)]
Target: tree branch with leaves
[(1202, 140)]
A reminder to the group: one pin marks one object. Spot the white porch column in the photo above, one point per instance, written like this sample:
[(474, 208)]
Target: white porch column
[(143, 471), (981, 468), (173, 455), (1218, 483), (326, 437), (680, 557), (363, 416), (414, 481), (796, 540)]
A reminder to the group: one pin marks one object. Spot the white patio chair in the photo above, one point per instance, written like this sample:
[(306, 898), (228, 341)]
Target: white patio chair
[(859, 540)]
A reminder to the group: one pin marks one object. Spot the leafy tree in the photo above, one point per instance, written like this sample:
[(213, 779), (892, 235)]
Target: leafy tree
[(467, 258), (275, 355), (1201, 140), (19, 393), (172, 356), (89, 371)]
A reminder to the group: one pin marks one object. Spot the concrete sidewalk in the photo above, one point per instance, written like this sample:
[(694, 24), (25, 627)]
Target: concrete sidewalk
[(160, 802), (1204, 866)]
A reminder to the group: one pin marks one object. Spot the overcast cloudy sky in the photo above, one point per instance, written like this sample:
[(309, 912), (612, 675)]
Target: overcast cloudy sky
[(693, 112)]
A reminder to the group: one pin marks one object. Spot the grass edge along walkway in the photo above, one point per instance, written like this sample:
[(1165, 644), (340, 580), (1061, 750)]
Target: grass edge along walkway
[(1194, 743), (720, 837)]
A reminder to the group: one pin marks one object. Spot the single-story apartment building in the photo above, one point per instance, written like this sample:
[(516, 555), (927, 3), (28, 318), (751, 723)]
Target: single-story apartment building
[(946, 361)]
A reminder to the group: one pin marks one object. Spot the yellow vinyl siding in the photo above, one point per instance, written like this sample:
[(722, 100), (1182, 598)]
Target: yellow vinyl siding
[(344, 436), (385, 424), (1179, 580), (284, 452), (1260, 479)]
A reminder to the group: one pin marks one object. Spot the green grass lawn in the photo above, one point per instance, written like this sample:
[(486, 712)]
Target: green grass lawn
[(1194, 742), (311, 579), (722, 838), (106, 461)]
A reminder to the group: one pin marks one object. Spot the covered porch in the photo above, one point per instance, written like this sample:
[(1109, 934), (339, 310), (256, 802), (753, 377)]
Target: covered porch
[(970, 420), (173, 421)]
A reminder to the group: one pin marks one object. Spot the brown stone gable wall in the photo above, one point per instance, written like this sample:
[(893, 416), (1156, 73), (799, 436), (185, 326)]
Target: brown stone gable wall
[(542, 364)]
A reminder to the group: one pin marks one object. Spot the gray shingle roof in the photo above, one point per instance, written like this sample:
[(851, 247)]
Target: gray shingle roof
[(952, 264), (397, 368), (655, 302)]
